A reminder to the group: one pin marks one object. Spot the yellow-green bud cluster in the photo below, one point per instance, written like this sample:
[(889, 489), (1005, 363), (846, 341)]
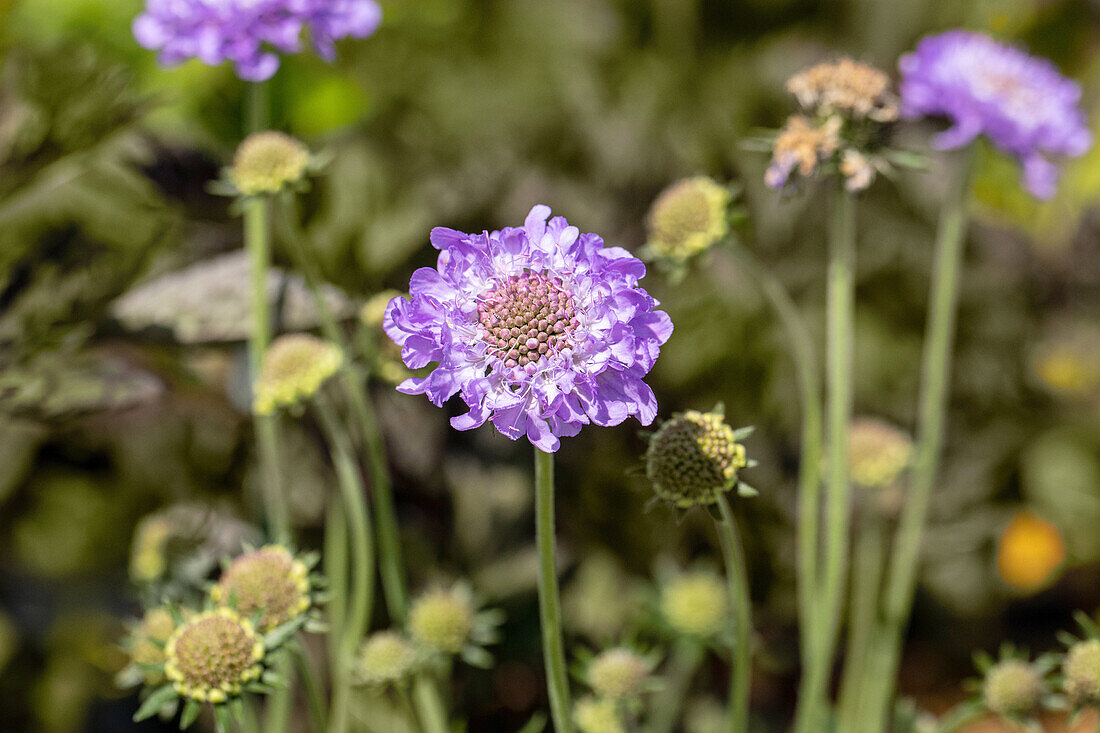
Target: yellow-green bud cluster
[(618, 673), (386, 657), (268, 582), (597, 715), (693, 458), (1081, 674), (293, 369), (209, 657), (147, 643), (695, 604), (1012, 688), (441, 620), (878, 452), (268, 162), (687, 218), (147, 555)]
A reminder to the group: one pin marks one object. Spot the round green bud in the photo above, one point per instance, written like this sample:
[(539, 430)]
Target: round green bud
[(147, 643), (1081, 673), (269, 582), (267, 162), (293, 369), (695, 604), (878, 452), (693, 458), (1012, 688), (211, 655), (688, 218), (618, 673), (441, 620), (386, 657), (597, 715)]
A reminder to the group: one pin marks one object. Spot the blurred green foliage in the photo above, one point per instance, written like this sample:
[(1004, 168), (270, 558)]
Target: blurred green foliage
[(464, 113)]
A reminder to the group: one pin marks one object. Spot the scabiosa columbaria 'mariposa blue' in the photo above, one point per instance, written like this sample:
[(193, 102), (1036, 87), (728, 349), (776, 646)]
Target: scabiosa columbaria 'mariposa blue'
[(540, 328), (250, 33), (1022, 103)]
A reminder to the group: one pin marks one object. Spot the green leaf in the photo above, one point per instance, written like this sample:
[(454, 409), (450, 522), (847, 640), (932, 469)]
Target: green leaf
[(222, 719), (536, 724), (190, 711), (152, 705), (742, 433), (745, 490), (277, 636)]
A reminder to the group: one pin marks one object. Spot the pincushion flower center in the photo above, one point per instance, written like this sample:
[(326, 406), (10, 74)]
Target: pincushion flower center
[(525, 317), (1009, 87)]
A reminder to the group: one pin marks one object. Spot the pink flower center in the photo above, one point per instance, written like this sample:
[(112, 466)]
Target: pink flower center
[(526, 316)]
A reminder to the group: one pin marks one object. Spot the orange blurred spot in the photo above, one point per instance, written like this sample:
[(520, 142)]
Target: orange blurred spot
[(1030, 552)]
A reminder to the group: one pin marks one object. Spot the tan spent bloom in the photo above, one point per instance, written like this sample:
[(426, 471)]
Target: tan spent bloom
[(441, 620), (268, 162), (847, 87), (269, 582), (858, 170), (802, 145), (687, 218), (878, 452), (212, 655), (293, 369), (618, 673)]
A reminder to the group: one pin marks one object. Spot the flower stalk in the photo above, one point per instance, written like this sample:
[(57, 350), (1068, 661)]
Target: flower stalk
[(737, 579), (553, 645), (686, 657)]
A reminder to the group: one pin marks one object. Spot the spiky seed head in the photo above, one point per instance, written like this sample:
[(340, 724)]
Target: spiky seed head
[(687, 218), (386, 657), (878, 452), (693, 458), (211, 655), (293, 369), (441, 620), (597, 715), (695, 604), (268, 162), (618, 673), (269, 582), (1012, 688), (1081, 673)]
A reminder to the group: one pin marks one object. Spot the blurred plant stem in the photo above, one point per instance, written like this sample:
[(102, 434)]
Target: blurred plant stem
[(357, 618), (315, 693), (428, 698), (354, 382), (809, 466), (867, 571), (737, 579), (935, 376), (553, 645), (840, 305), (687, 655), (960, 716)]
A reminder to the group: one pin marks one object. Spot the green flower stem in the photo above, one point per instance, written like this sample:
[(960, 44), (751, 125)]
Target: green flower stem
[(687, 655), (809, 469), (408, 708), (866, 586), (315, 693), (336, 572), (960, 716), (389, 545), (257, 105), (258, 242), (737, 579), (553, 644), (278, 711), (361, 592), (839, 316), (431, 711), (935, 376)]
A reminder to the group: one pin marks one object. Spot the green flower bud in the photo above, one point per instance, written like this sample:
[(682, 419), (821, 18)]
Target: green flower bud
[(267, 162), (210, 656), (147, 643), (1013, 689), (441, 620), (878, 452), (1081, 673), (687, 218), (693, 458), (695, 604), (618, 673), (293, 369), (268, 582), (597, 715), (386, 657)]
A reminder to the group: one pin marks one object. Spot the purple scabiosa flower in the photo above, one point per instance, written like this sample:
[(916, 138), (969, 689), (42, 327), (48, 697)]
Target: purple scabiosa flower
[(540, 328), (1022, 103), (250, 33)]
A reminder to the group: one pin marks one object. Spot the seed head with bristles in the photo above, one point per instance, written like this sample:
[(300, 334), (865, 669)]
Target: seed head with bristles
[(694, 457), (210, 656)]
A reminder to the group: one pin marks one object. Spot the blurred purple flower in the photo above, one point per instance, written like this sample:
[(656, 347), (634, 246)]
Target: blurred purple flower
[(250, 33), (541, 329), (1022, 103)]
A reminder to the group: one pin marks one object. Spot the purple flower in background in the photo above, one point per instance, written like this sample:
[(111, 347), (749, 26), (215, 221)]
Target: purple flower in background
[(250, 33), (540, 328), (1022, 103)]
